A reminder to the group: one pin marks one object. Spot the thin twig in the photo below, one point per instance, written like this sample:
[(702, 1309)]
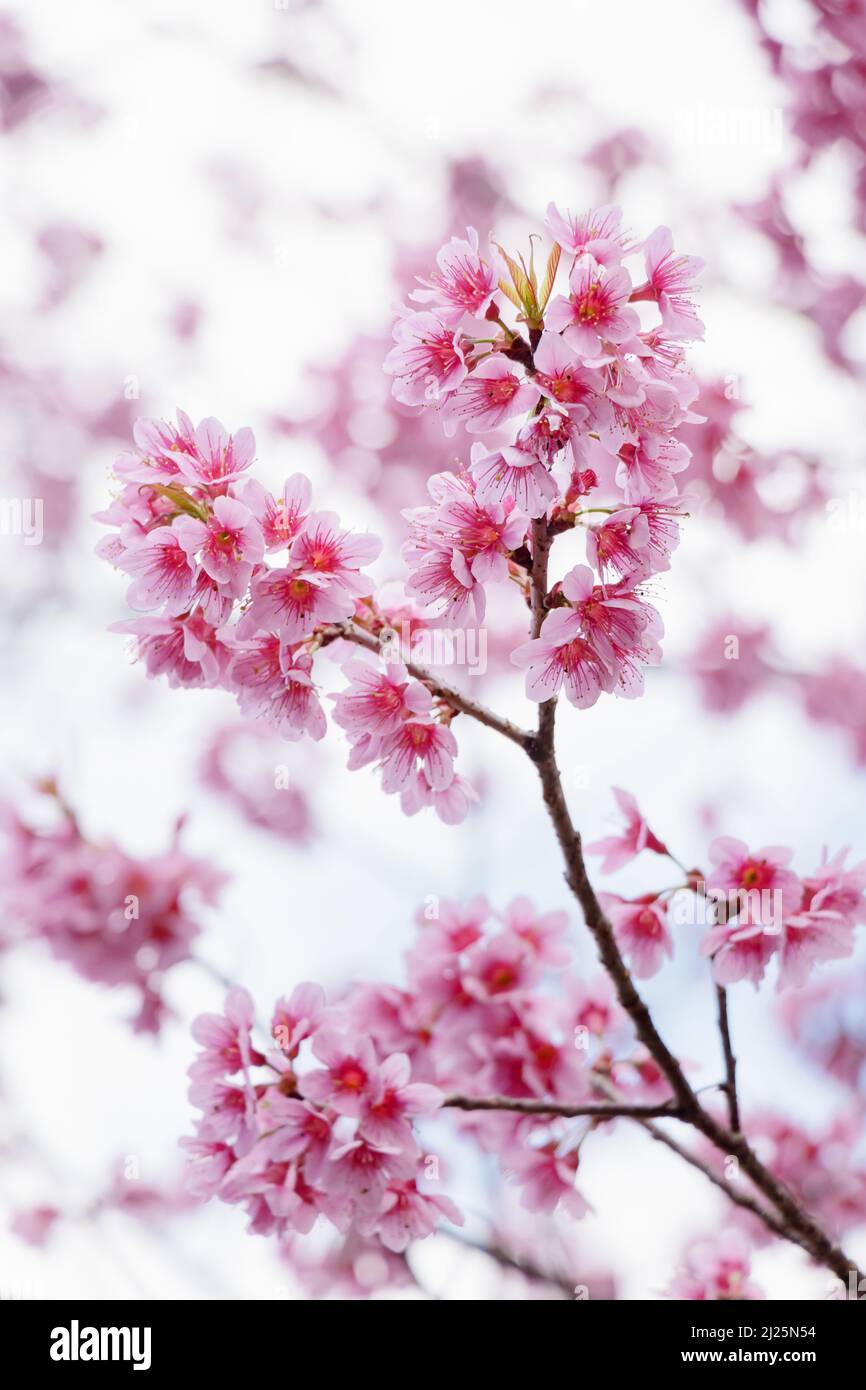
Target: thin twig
[(730, 1059), (740, 1199), (597, 1111), (504, 1257)]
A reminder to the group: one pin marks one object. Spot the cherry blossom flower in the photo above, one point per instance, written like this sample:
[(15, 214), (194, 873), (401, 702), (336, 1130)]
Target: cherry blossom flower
[(515, 474), (385, 1110), (298, 1017), (407, 1214), (349, 1074), (225, 1039), (228, 545), (486, 399), (633, 542), (546, 1177), (293, 602), (563, 655), (596, 233), (717, 1270), (739, 952), (641, 929), (451, 803), (418, 741), (323, 549), (809, 939), (671, 281), (596, 309), (35, 1224), (427, 362), (187, 651), (217, 457), (377, 702), (635, 836), (761, 886), (162, 570), (543, 933), (279, 519), (463, 282)]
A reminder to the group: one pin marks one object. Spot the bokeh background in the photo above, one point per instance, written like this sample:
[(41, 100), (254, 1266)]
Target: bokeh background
[(217, 206)]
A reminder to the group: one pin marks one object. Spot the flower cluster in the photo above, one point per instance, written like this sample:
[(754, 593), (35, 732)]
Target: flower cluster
[(194, 533), (335, 1139), (323, 1123), (716, 1270), (117, 919), (754, 906), (584, 409), (239, 764)]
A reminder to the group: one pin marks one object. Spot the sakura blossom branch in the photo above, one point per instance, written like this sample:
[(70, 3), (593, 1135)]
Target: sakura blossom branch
[(593, 396)]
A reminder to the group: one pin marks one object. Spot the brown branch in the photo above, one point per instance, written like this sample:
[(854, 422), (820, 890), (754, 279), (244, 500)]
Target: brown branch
[(449, 693), (793, 1222), (597, 1111), (730, 1059), (503, 1257), (796, 1223), (740, 1199)]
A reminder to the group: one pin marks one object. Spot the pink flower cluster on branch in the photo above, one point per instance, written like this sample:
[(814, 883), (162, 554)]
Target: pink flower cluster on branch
[(324, 1123), (116, 918), (576, 378), (754, 906), (194, 533), (592, 400), (600, 396)]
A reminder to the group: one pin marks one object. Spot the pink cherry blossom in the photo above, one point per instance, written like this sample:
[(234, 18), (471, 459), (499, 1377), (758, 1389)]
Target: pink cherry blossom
[(217, 457), (297, 1017), (349, 1074), (407, 1214), (633, 542), (225, 1039), (562, 655), (739, 951), (463, 281), (486, 399), (596, 233), (324, 549), (641, 929), (760, 886), (515, 474), (451, 804), (162, 570), (427, 361), (544, 933), (377, 702), (717, 1270), (393, 1100), (596, 309), (671, 282), (35, 1224), (418, 741), (293, 602), (635, 836), (228, 545), (546, 1177), (280, 518)]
